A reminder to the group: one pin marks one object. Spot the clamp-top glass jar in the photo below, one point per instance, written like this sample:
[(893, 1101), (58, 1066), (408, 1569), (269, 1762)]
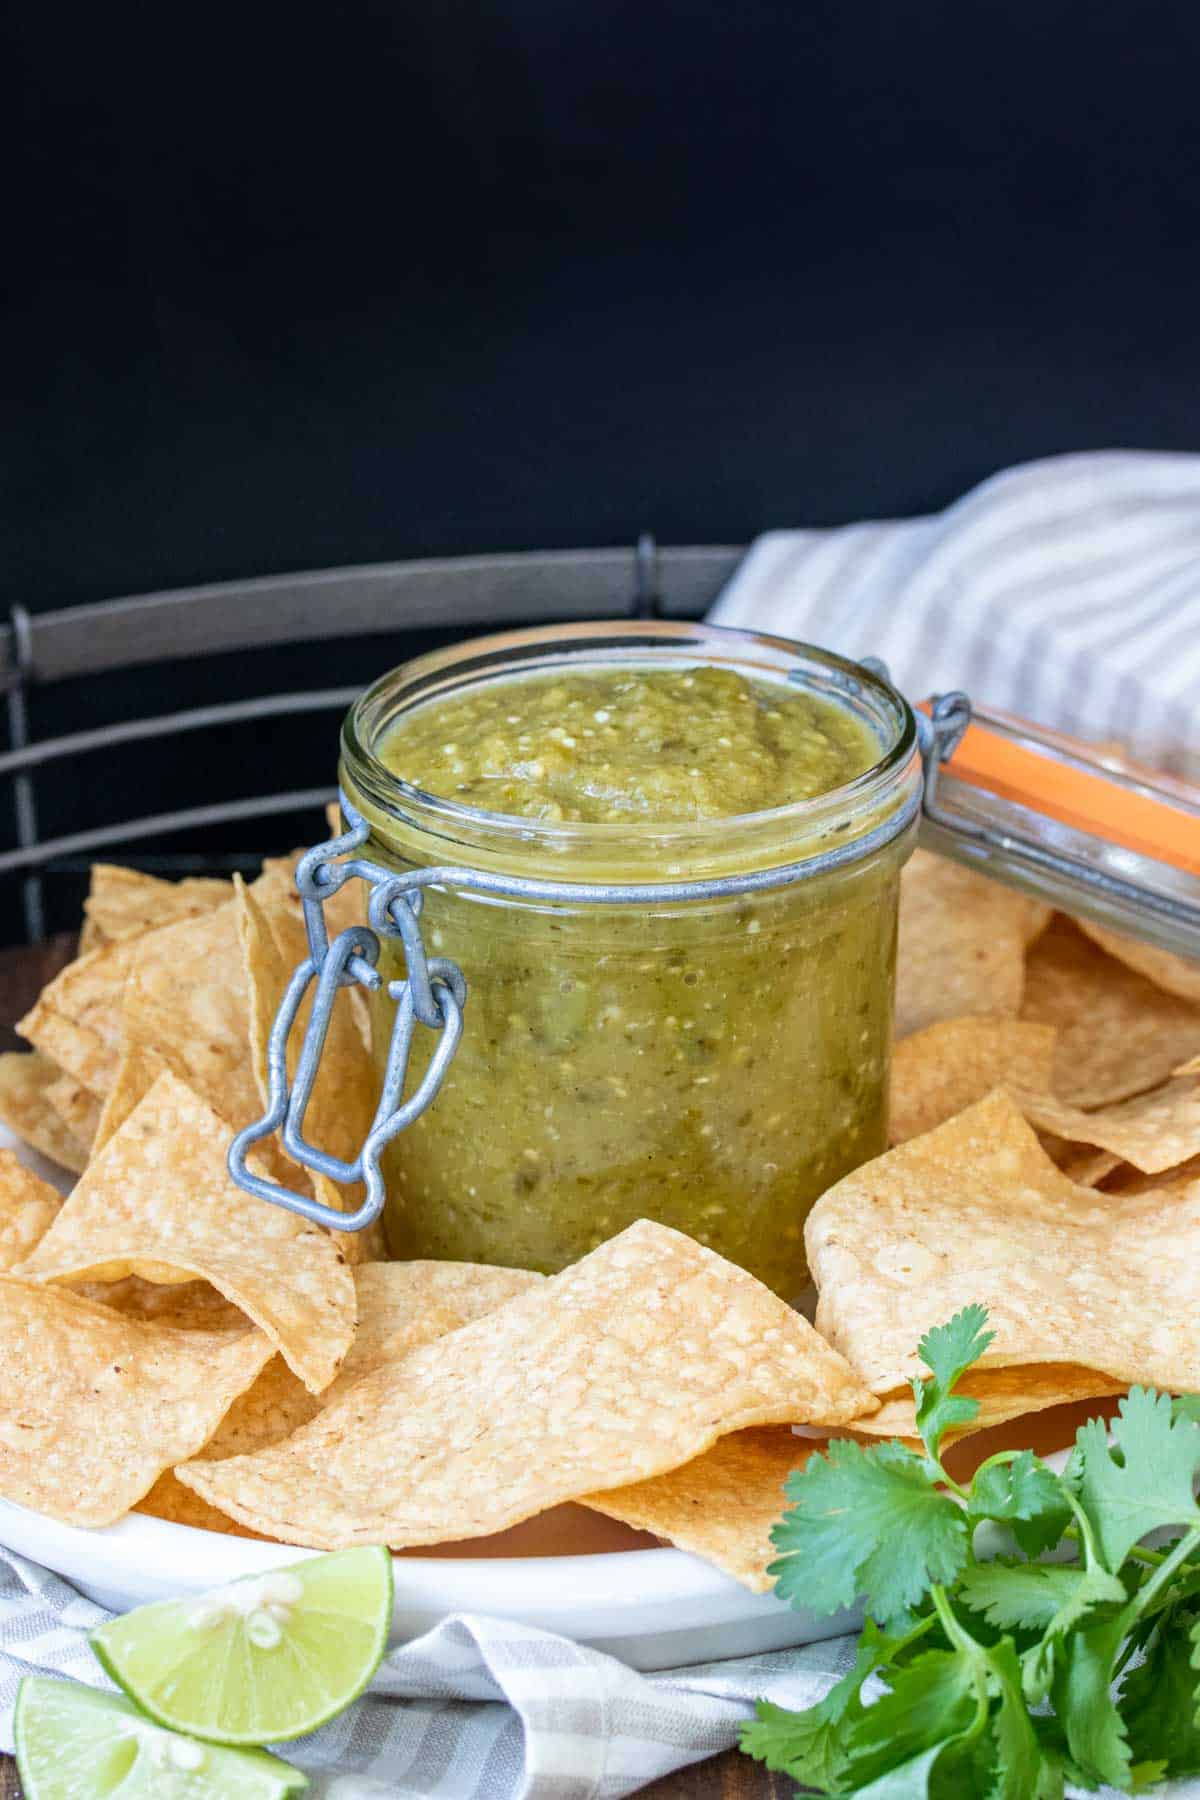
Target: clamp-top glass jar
[(701, 1032)]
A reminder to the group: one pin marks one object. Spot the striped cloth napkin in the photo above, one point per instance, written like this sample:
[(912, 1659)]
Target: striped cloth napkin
[(1067, 591)]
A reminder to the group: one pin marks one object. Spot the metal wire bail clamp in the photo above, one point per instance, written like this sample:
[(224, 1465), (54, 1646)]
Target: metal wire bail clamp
[(433, 994), (939, 733)]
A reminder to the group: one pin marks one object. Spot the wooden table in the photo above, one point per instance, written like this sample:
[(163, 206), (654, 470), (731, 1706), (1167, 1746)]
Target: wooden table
[(728, 1777), (23, 973)]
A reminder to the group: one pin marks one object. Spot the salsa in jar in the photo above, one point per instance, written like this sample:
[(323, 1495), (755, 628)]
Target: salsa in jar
[(714, 1062)]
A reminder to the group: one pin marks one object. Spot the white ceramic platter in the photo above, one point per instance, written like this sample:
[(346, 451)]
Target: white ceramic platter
[(654, 1608)]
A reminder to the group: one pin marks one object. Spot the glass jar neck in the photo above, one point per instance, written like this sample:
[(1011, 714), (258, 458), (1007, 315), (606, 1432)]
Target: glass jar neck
[(421, 829)]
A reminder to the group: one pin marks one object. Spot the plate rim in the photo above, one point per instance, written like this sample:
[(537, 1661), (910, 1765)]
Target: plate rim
[(615, 1588)]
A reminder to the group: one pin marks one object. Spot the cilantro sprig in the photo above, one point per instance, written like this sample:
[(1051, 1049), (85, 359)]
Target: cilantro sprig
[(983, 1669)]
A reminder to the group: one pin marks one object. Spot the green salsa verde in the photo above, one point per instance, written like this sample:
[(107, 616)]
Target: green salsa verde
[(714, 1064), (658, 744)]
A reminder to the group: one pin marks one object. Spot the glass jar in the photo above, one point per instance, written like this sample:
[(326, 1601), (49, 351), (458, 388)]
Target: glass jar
[(715, 1062)]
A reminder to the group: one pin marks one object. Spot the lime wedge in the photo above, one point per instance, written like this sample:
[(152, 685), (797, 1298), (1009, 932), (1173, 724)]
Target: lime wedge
[(264, 1659), (74, 1743)]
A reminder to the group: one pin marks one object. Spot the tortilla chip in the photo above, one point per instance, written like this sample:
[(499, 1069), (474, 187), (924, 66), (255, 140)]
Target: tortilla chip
[(25, 1079), (342, 1108), (76, 1020), (1191, 1067), (722, 1505), (158, 1202), (400, 1307), (962, 943), (1118, 1033), (126, 903), (1084, 1166), (28, 1208), (1153, 1131), (1177, 974), (1125, 1180), (631, 1362), (186, 1002), (137, 1072), (183, 1305), (946, 1067), (168, 1499), (76, 1107), (1003, 1394), (95, 1406), (91, 938), (470, 1290), (976, 1211)]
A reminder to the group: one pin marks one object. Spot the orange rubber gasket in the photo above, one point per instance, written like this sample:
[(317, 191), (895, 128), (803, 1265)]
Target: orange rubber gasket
[(1082, 798)]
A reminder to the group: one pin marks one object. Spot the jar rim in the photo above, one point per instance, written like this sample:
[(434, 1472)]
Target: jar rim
[(650, 642)]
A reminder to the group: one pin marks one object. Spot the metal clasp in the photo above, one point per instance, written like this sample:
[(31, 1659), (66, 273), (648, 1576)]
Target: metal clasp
[(939, 733), (433, 994)]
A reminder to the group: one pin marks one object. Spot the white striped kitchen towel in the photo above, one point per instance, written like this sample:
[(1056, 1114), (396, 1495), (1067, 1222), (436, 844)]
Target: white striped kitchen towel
[(1067, 591), (477, 1709)]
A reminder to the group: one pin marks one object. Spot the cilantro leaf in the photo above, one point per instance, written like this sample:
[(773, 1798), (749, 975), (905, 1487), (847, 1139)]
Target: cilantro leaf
[(911, 1781), (948, 1350), (1024, 1495), (866, 1521), (1041, 1597), (939, 1412), (810, 1745), (939, 1722), (1047, 1598), (1142, 1484), (1090, 1657), (1187, 1406), (1053, 1740), (1159, 1698), (939, 1695), (1095, 1731), (1022, 1772), (805, 1745)]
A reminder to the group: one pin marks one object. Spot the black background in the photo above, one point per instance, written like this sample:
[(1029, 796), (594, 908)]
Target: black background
[(297, 288)]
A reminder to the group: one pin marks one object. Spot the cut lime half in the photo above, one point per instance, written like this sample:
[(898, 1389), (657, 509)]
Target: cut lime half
[(264, 1659), (75, 1743)]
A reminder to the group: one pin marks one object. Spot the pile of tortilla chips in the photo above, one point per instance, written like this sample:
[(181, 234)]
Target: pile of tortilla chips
[(179, 1348)]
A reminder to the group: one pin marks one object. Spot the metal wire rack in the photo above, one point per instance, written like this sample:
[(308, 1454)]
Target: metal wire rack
[(475, 593)]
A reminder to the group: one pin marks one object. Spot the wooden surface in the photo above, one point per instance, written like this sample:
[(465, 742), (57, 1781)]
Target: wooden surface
[(729, 1777), (23, 973)]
